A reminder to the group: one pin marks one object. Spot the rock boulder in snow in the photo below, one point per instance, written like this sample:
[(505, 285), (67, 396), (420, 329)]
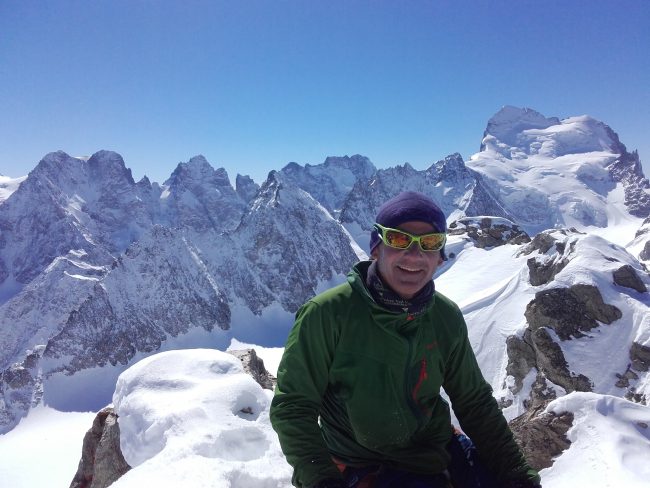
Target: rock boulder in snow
[(570, 312), (254, 366), (542, 435), (640, 356), (488, 232), (101, 461), (627, 277)]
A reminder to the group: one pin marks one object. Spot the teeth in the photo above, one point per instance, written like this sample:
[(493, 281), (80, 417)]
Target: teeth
[(409, 269)]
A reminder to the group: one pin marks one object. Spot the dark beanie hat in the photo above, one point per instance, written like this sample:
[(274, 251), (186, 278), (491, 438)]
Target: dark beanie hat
[(409, 206)]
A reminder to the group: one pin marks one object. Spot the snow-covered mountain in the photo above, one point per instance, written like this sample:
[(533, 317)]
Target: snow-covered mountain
[(569, 173), (98, 271), (331, 182), (458, 190)]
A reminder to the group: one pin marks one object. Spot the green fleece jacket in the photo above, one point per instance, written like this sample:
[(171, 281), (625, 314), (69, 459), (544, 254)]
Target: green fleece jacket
[(374, 378)]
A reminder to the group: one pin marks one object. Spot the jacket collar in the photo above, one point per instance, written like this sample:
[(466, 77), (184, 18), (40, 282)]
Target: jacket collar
[(400, 321)]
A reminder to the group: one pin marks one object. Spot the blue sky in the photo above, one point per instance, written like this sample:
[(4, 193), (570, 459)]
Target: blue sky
[(253, 85)]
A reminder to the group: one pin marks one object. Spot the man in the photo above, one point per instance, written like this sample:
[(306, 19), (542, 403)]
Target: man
[(369, 357)]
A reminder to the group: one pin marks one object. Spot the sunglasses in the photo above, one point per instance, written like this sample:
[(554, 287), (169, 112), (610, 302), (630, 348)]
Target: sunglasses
[(403, 240)]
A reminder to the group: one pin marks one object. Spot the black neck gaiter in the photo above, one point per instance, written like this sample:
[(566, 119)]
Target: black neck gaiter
[(387, 298)]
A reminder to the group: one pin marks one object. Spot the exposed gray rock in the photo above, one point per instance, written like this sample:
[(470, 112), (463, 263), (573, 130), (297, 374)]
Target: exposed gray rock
[(21, 387), (542, 435), (245, 187), (542, 272), (544, 241), (628, 170), (624, 379), (645, 253), (626, 276), (254, 366), (487, 232), (570, 311), (331, 181), (101, 461), (521, 359), (540, 393), (550, 361), (640, 356)]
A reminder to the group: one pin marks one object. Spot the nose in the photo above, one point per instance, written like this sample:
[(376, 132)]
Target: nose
[(414, 249)]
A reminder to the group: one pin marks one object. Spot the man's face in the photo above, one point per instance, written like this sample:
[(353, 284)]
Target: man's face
[(407, 271)]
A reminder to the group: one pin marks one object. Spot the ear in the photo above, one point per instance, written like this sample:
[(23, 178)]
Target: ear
[(440, 260), (374, 253)]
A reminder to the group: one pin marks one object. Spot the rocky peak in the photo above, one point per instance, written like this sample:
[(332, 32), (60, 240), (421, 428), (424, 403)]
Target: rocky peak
[(245, 187), (628, 170), (56, 165), (197, 172), (199, 197), (331, 181), (267, 239), (108, 166), (358, 164)]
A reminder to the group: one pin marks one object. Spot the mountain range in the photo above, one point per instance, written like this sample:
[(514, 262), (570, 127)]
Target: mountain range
[(98, 271)]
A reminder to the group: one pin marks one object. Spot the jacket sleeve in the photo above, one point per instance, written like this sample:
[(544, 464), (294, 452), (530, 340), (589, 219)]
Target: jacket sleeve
[(302, 381), (480, 416)]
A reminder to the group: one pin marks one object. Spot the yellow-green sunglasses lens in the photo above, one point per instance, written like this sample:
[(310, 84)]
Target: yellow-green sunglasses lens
[(403, 240), (432, 242)]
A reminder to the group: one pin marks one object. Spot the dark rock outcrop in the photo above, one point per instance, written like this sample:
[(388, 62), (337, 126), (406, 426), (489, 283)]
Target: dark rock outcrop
[(543, 269), (570, 311), (645, 253), (550, 361), (542, 435), (542, 272), (521, 359), (626, 276), (102, 461), (487, 232), (640, 356), (21, 387)]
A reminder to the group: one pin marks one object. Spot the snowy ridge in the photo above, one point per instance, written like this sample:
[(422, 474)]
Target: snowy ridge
[(9, 185), (330, 182)]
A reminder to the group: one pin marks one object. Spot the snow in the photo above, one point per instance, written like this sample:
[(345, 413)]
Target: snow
[(194, 418), (9, 185), (610, 443), (44, 449), (554, 173)]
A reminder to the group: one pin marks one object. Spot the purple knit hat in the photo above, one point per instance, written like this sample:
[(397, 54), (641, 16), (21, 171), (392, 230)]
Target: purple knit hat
[(409, 206)]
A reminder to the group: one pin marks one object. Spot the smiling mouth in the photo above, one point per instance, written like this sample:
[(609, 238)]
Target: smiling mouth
[(409, 270)]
